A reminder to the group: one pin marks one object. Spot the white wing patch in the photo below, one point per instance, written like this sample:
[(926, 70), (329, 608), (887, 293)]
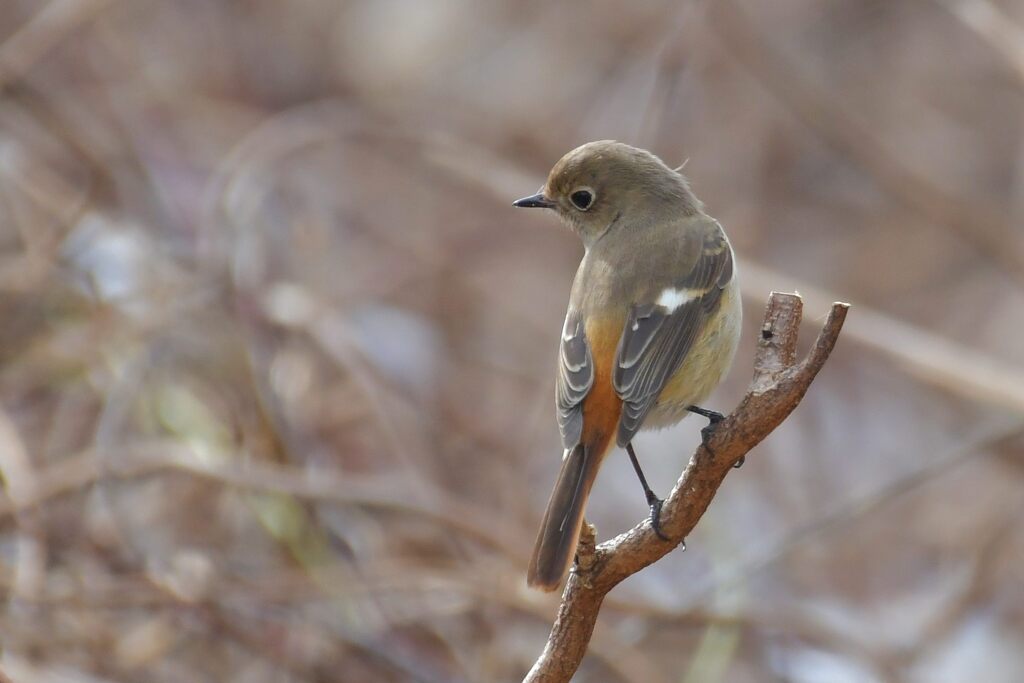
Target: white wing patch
[(672, 298)]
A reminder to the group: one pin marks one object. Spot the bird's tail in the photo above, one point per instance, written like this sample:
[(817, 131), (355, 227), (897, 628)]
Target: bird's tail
[(560, 529)]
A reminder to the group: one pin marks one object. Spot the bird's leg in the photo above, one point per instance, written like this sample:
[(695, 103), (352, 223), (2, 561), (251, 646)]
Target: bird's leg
[(652, 500), (714, 418)]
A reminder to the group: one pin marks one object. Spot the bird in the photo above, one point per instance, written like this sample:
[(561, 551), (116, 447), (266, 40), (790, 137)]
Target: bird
[(651, 328)]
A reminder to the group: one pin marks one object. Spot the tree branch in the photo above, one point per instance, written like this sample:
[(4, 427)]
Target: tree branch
[(778, 385)]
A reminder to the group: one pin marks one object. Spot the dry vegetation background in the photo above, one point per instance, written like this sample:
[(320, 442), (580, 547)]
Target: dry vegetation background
[(276, 352)]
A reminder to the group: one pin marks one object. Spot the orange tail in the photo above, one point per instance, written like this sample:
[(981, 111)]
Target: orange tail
[(560, 529)]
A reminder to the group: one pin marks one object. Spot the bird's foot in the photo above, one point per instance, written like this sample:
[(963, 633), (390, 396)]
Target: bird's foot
[(708, 431), (655, 504)]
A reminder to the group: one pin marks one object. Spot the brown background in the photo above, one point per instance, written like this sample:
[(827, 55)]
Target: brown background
[(276, 351)]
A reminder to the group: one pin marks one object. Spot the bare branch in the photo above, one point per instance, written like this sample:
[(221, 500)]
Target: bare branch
[(779, 384)]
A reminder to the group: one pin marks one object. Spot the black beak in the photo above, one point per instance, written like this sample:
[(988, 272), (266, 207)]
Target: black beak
[(538, 201)]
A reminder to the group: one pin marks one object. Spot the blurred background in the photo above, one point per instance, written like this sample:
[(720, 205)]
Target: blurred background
[(277, 353)]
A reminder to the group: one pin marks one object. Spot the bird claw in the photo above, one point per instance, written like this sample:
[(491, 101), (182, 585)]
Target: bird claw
[(656, 504), (714, 417)]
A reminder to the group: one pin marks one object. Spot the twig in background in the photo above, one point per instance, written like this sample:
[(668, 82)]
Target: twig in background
[(980, 223), (930, 357)]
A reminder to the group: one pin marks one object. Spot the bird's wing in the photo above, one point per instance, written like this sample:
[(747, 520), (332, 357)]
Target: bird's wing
[(659, 332), (575, 377)]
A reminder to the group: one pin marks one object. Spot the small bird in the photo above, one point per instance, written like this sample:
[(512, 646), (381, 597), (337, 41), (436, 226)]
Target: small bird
[(652, 326)]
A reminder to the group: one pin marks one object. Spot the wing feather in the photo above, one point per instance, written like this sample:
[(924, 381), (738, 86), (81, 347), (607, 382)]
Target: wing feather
[(656, 338), (574, 380)]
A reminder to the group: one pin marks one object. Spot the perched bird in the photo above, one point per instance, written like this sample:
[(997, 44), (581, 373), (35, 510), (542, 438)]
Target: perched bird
[(652, 326)]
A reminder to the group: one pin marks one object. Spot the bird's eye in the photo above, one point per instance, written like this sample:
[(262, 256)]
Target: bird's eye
[(582, 199)]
